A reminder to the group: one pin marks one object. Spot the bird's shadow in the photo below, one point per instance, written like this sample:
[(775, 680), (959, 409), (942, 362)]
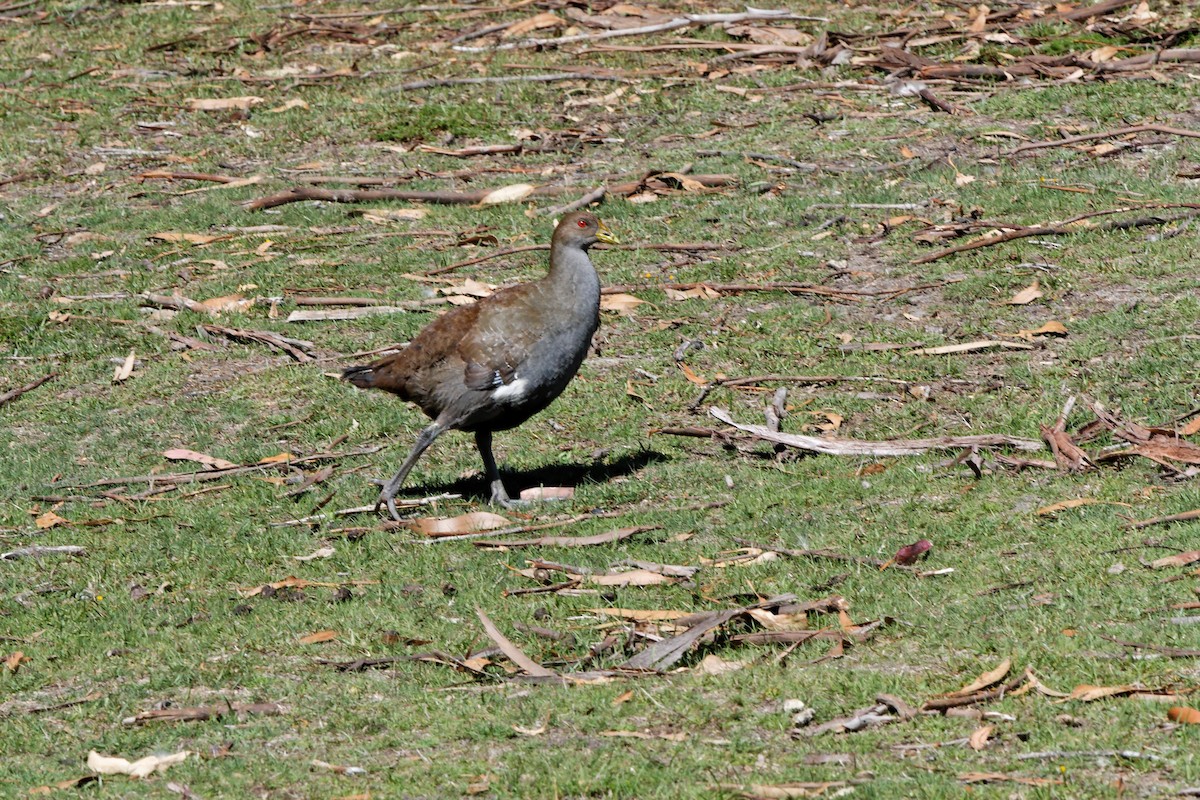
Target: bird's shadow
[(599, 471)]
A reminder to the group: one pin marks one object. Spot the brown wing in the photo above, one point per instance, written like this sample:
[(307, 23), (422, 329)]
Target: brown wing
[(508, 325)]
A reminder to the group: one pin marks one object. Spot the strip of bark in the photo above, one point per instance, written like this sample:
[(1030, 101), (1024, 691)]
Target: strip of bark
[(893, 447), (13, 394), (571, 541), (37, 551), (165, 174), (201, 713)]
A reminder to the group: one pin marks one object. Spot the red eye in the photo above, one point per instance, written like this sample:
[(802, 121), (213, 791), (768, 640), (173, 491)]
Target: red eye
[(582, 223)]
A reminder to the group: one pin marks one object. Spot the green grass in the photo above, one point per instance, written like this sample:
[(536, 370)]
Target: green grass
[(1039, 589)]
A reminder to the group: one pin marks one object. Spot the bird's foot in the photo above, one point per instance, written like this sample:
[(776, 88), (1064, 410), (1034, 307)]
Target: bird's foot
[(387, 497), (500, 498)]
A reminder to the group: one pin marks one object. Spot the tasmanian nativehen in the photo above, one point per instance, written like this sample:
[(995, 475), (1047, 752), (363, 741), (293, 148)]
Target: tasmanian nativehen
[(492, 365)]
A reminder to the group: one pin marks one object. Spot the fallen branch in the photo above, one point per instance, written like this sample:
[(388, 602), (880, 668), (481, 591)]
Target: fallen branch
[(684, 21), (662, 246), (1186, 516), (1128, 755), (1062, 229), (1089, 137), (894, 447), (38, 550), (1170, 652), (298, 349), (954, 701), (756, 379), (201, 713), (217, 474), (547, 78), (13, 394), (594, 196)]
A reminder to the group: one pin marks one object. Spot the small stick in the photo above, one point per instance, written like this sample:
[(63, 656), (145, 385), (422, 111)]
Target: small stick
[(594, 196), (13, 394), (548, 78)]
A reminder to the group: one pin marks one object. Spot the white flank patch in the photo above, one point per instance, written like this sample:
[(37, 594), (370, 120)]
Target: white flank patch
[(513, 391)]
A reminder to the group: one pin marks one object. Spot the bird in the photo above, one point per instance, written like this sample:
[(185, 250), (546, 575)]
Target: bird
[(492, 365)]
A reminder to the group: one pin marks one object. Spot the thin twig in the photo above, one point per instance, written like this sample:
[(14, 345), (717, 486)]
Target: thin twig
[(13, 394)]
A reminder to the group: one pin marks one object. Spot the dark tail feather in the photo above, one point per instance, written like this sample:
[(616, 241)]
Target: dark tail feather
[(362, 377)]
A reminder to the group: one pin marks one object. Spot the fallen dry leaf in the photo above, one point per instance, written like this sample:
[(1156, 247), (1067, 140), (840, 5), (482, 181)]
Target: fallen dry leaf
[(1178, 560), (222, 103), (548, 493), (508, 194), (620, 303), (14, 661), (1064, 505), (318, 637), (464, 523), (1027, 295), (49, 520), (986, 679), (641, 615), (278, 458), (321, 552), (715, 665), (1087, 693), (123, 371), (229, 303), (634, 577), (176, 236), (979, 737), (908, 555), (1184, 714), (534, 23), (183, 454), (294, 102), (143, 767), (1051, 328)]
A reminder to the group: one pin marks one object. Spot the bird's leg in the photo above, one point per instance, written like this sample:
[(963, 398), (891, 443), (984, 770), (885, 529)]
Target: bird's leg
[(483, 440), (388, 494)]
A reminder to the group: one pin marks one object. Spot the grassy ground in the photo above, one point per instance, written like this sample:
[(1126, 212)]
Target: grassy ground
[(95, 95)]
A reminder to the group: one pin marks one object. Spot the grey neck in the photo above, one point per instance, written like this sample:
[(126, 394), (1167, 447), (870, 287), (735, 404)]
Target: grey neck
[(571, 267)]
